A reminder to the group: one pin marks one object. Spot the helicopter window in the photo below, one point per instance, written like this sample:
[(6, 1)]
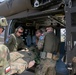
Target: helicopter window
[(63, 35)]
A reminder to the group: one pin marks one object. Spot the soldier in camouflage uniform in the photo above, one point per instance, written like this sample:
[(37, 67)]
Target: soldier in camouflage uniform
[(39, 34), (49, 44), (15, 41), (4, 52)]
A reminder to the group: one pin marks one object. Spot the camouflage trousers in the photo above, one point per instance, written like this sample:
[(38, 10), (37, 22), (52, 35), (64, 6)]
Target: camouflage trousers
[(46, 67)]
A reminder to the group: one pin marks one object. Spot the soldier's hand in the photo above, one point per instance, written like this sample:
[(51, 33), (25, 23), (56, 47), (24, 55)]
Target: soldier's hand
[(31, 64), (27, 50), (23, 50)]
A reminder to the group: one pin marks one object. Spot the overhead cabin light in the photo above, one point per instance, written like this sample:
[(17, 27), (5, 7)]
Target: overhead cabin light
[(36, 3)]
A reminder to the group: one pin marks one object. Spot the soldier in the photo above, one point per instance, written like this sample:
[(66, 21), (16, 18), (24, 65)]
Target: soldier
[(38, 34), (15, 41), (47, 58), (4, 52)]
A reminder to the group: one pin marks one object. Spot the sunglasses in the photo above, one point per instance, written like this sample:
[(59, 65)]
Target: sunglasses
[(20, 32)]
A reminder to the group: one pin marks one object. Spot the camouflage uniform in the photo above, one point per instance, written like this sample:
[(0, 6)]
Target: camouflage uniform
[(14, 43), (49, 44), (4, 59), (4, 53), (20, 60)]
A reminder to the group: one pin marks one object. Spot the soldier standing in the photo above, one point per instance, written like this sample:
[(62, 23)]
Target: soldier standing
[(38, 34), (4, 52), (49, 44), (15, 41)]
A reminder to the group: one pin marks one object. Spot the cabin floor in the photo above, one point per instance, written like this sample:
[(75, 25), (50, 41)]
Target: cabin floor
[(27, 73)]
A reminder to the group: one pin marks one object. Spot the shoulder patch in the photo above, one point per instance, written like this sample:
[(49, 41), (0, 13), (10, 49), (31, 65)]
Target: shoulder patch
[(41, 37)]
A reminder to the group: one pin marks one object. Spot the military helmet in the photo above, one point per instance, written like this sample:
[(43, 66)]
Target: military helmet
[(3, 22), (48, 23)]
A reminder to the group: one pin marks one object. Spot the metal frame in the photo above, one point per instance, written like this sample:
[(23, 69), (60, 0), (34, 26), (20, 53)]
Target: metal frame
[(70, 31)]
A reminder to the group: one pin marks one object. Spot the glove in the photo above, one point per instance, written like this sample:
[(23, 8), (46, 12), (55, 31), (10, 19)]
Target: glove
[(31, 64)]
